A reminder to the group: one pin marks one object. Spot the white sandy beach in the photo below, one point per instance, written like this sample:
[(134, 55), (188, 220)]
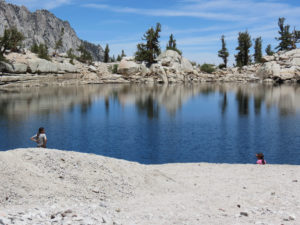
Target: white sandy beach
[(57, 187)]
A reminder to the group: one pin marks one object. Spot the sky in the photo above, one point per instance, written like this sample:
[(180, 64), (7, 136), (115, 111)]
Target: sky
[(196, 24)]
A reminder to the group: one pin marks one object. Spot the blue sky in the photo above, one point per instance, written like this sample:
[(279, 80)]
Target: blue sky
[(196, 24)]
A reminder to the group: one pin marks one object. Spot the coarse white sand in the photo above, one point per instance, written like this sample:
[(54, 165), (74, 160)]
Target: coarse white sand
[(39, 186)]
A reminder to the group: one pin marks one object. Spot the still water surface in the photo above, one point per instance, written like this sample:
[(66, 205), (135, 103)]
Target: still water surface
[(153, 125)]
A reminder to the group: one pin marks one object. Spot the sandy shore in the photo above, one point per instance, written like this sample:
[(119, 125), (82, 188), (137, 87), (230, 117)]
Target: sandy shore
[(58, 187)]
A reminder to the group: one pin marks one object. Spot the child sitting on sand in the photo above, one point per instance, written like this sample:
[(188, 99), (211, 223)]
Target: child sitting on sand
[(40, 138), (260, 159)]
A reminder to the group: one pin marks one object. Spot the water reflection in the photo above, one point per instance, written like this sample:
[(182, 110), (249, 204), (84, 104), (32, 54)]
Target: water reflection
[(148, 100), (149, 106), (159, 124), (243, 102)]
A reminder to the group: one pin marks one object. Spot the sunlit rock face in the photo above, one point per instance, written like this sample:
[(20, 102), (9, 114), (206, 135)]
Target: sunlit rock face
[(283, 66), (42, 26)]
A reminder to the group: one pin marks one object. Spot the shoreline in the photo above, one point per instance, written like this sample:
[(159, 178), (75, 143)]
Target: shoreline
[(28, 70), (44, 186), (144, 164)]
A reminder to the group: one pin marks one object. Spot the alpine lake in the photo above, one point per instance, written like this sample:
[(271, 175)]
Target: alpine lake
[(215, 123)]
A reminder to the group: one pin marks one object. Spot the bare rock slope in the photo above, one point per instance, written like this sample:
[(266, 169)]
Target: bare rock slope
[(42, 26)]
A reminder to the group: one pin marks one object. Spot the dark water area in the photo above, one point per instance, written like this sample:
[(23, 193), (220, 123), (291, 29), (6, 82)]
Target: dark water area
[(159, 124)]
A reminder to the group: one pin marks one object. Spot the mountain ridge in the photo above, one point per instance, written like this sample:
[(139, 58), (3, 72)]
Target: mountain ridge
[(44, 27)]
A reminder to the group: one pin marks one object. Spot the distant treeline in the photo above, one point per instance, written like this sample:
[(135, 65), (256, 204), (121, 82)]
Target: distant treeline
[(149, 49)]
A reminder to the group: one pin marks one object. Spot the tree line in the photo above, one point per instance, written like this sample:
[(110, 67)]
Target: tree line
[(287, 41), (149, 48)]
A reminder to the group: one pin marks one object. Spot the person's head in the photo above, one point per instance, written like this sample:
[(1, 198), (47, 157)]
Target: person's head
[(260, 156), (41, 130)]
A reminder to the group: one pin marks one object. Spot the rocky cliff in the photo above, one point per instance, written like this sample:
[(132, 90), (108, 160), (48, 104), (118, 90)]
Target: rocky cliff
[(42, 26)]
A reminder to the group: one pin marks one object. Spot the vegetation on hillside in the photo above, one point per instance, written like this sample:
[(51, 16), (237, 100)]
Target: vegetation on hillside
[(113, 68), (85, 55), (41, 50), (172, 45), (120, 57), (59, 43), (71, 55), (269, 50), (207, 68), (106, 54), (10, 41)]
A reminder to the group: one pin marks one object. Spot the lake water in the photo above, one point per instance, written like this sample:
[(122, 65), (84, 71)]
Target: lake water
[(159, 124)]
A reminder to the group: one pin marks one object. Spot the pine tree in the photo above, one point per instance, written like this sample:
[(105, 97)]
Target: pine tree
[(258, 50), (223, 53), (85, 56), (243, 57), (172, 45), (113, 58), (269, 50), (11, 40), (295, 38), (106, 54), (43, 52), (119, 58), (59, 43), (34, 48), (71, 55), (123, 54), (285, 37), (151, 49)]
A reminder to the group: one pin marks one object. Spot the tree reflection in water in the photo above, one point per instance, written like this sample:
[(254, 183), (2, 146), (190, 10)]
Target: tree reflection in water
[(149, 100), (224, 123), (86, 105), (224, 102), (106, 104), (243, 102), (258, 100), (149, 106)]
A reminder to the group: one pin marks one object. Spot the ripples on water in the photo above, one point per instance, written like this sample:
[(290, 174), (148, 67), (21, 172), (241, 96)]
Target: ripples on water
[(159, 124)]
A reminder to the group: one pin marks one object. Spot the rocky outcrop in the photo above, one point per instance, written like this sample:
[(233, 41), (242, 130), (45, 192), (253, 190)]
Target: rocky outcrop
[(173, 68), (282, 67), (95, 50), (169, 68), (30, 63), (42, 26), (128, 67), (172, 60)]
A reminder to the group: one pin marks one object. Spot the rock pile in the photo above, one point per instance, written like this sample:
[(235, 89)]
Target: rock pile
[(169, 68), (30, 63), (282, 67), (173, 68), (29, 70)]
